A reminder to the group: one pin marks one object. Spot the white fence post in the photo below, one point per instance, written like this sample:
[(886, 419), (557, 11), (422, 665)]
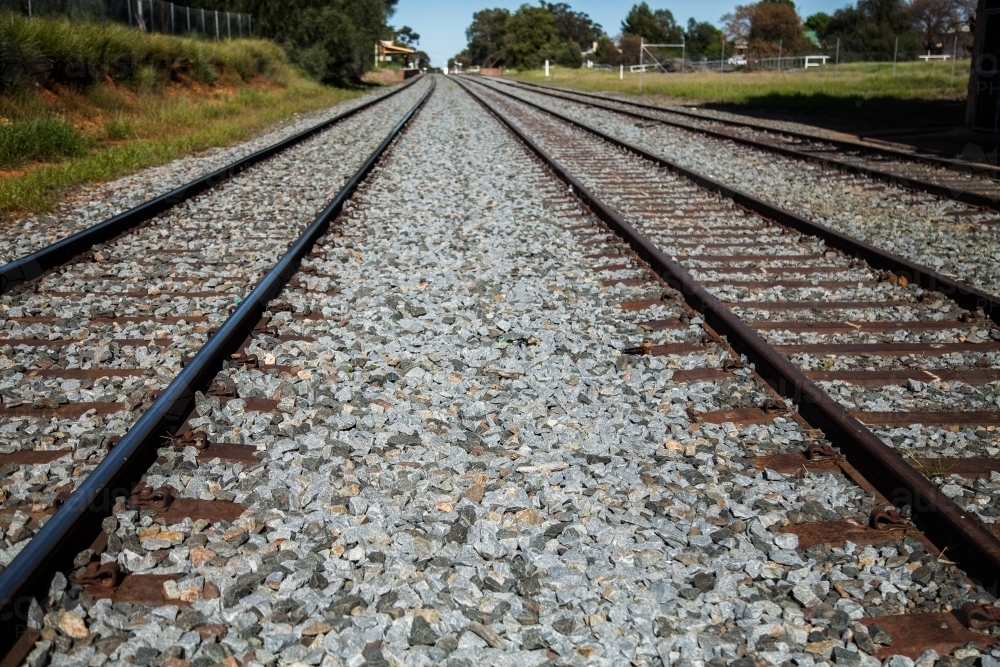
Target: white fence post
[(546, 69), (954, 55), (642, 48), (216, 25), (621, 72)]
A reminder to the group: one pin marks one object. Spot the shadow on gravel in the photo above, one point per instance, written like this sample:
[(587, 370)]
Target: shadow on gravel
[(928, 125)]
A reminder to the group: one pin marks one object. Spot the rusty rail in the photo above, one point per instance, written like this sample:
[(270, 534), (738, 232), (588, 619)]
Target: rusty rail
[(936, 189), (965, 296), (968, 541)]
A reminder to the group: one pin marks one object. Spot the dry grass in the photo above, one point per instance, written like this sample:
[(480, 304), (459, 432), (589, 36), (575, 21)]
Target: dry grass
[(820, 89)]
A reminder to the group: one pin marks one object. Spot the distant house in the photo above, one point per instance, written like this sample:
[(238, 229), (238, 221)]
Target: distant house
[(387, 51)]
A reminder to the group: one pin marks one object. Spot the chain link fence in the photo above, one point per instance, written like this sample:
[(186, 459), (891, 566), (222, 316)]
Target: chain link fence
[(147, 15)]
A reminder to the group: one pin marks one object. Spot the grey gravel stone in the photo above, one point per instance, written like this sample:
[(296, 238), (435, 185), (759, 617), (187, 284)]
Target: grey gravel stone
[(455, 481)]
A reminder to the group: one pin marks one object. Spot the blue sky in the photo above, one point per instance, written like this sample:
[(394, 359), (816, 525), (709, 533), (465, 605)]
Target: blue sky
[(441, 25)]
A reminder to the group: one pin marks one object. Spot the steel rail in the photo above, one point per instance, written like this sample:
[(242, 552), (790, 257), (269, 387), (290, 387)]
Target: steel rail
[(900, 180), (934, 160), (76, 521), (967, 297), (967, 539), (37, 263)]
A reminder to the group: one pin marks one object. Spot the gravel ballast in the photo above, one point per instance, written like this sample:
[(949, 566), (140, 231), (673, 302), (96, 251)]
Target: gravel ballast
[(465, 468), (950, 237), (149, 299)]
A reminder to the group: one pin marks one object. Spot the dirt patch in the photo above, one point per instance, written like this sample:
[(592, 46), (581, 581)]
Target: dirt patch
[(385, 77)]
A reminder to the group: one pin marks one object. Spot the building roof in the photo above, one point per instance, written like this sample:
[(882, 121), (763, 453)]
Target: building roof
[(387, 48)]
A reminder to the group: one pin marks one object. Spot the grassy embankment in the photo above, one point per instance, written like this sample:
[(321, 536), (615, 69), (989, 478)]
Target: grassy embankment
[(920, 94), (98, 102)]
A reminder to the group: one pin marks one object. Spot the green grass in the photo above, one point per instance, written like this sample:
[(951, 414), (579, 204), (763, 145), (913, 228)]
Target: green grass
[(154, 98), (817, 90), (38, 139), (81, 53)]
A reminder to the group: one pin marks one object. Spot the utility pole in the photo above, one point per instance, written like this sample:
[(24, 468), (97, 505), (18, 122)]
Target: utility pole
[(954, 54), (982, 109), (642, 47), (895, 55)]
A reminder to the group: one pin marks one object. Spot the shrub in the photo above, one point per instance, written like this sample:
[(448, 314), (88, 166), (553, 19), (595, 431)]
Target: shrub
[(38, 139), (78, 54)]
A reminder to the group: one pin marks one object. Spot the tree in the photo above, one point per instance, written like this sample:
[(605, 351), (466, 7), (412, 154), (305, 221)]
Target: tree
[(702, 39), (774, 27), (486, 36), (816, 22), (737, 24), (527, 37), (530, 38), (572, 26), (407, 37), (568, 55), (967, 12), (463, 58), (607, 52), (642, 22), (673, 32), (872, 27), (629, 46), (767, 27), (331, 39), (933, 19)]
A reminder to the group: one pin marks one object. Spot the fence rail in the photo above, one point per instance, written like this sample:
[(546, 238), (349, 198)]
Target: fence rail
[(147, 15), (827, 59)]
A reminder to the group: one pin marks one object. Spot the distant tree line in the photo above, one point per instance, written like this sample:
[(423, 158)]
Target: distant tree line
[(333, 40), (525, 38)]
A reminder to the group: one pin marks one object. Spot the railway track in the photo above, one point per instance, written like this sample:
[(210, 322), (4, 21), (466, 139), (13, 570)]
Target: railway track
[(970, 182), (867, 356), (104, 351), (956, 239), (498, 429)]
